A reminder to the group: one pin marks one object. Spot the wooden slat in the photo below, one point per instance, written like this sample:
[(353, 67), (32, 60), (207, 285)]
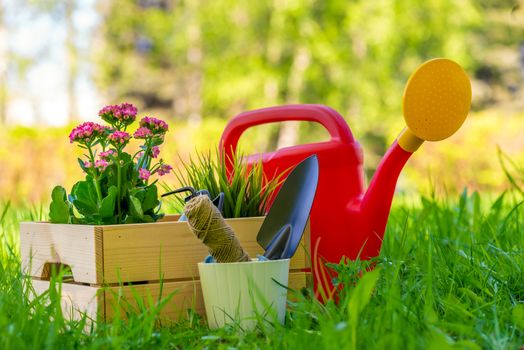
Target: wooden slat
[(186, 295), (42, 244), (183, 296), (142, 252), (130, 253), (99, 302), (77, 299)]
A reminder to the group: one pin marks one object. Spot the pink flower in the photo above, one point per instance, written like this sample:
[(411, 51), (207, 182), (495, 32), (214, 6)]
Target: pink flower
[(86, 132), (128, 111), (124, 114), (142, 133), (157, 126), (87, 165), (155, 151), (164, 169), (107, 154), (119, 137), (144, 174), (101, 164)]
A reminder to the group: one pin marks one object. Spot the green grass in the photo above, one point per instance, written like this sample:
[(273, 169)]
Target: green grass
[(450, 275)]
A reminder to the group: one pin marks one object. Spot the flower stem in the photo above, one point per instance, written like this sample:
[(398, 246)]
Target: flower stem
[(95, 175), (119, 186), (146, 155)]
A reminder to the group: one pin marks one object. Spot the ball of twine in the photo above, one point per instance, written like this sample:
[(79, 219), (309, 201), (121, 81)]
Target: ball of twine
[(207, 223)]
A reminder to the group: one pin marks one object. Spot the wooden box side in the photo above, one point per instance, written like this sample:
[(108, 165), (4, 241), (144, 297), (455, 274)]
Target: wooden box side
[(104, 303), (181, 296), (77, 300), (170, 251), (43, 244)]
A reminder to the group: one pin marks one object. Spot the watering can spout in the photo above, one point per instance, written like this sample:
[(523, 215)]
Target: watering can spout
[(376, 203), (435, 103)]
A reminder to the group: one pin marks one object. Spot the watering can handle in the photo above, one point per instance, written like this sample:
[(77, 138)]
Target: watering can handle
[(327, 117)]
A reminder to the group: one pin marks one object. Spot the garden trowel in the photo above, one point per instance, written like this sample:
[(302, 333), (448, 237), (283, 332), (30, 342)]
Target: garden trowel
[(286, 220)]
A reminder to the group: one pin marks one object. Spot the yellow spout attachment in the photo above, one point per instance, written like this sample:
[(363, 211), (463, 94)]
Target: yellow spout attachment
[(435, 104)]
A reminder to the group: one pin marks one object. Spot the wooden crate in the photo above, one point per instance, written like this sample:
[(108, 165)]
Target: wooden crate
[(100, 302), (105, 259)]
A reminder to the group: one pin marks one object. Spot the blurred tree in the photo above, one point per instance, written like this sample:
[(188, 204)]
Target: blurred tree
[(219, 57), (3, 65)]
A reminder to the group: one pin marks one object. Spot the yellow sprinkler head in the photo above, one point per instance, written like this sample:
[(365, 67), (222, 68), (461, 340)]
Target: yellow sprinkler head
[(435, 104)]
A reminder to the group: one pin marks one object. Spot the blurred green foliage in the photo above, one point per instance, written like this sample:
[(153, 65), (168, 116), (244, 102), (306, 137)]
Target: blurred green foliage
[(197, 63), (35, 160), (200, 58)]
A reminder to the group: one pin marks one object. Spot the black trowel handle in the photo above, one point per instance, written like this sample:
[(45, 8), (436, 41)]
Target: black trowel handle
[(218, 201), (180, 190)]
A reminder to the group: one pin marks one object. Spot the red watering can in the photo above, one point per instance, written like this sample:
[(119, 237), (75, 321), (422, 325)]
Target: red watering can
[(346, 220)]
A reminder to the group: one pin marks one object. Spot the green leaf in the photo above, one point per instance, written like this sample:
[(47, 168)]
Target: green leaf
[(360, 297), (148, 218), (135, 208), (107, 208), (240, 200), (150, 199), (518, 316), (109, 221), (135, 191), (81, 162), (131, 220), (85, 208), (59, 208), (85, 191)]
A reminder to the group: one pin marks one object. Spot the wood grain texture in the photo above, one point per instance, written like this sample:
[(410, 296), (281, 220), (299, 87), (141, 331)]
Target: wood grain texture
[(104, 303), (145, 252), (43, 243), (77, 299), (180, 296), (111, 254)]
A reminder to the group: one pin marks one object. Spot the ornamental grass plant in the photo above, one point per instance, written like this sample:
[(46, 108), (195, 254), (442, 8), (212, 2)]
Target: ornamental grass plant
[(247, 191)]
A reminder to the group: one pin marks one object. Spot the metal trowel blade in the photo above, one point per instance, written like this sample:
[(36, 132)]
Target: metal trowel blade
[(290, 210)]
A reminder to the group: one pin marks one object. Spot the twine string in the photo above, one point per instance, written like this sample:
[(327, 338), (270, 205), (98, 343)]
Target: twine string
[(207, 223)]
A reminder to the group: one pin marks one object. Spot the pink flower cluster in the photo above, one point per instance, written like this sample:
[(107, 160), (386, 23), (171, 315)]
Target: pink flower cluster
[(144, 174), (124, 113), (86, 132), (164, 169), (119, 137), (156, 126), (151, 130), (107, 154), (101, 164), (142, 133), (155, 151)]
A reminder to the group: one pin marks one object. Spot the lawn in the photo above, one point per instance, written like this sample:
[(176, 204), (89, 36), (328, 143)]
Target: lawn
[(450, 275)]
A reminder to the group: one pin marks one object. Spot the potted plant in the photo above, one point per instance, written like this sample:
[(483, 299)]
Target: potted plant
[(246, 189), (109, 229), (117, 188)]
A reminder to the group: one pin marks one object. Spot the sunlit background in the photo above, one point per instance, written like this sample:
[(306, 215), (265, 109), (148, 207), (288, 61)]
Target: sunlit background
[(198, 63)]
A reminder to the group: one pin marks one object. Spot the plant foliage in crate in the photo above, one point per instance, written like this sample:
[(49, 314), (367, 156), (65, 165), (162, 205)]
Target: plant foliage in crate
[(247, 191)]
